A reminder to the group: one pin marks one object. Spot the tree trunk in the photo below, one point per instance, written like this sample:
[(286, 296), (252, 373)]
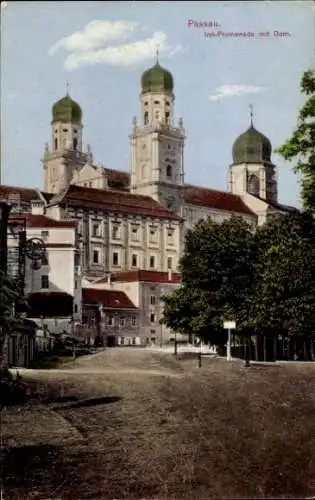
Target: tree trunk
[(312, 350), (246, 351), (265, 349), (256, 347), (304, 350)]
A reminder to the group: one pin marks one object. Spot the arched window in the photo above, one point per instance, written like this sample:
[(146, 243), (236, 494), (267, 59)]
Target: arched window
[(75, 143), (56, 143), (146, 118), (253, 185), (169, 171)]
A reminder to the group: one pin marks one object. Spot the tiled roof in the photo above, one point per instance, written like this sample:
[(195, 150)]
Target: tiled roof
[(41, 221), (112, 201), (142, 275), (111, 299), (194, 195), (117, 179), (25, 195), (220, 200)]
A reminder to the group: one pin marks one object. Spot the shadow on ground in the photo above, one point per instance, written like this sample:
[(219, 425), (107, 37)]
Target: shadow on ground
[(85, 403)]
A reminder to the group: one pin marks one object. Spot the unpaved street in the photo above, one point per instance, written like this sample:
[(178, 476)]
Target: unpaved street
[(137, 424)]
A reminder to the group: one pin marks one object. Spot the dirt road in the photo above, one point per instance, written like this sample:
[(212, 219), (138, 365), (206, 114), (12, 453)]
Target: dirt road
[(136, 424)]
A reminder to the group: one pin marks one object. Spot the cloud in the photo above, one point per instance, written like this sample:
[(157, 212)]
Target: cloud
[(100, 42), (226, 91), (95, 34)]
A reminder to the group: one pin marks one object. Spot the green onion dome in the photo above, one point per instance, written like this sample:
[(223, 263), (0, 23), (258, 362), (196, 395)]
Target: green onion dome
[(157, 79), (67, 111), (252, 147)]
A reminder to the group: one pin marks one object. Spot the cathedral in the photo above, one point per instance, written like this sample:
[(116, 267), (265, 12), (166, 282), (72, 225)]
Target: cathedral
[(137, 219), (130, 226)]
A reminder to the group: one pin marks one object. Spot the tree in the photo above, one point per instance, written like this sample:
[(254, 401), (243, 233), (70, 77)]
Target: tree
[(217, 269), (284, 299), (301, 146)]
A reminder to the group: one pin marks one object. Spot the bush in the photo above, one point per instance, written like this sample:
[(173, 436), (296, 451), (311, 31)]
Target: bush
[(12, 390)]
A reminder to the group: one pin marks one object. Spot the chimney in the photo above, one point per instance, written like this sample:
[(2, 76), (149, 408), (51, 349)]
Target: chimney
[(169, 275), (38, 207)]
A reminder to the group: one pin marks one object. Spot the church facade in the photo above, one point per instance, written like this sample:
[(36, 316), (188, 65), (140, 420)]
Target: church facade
[(136, 221)]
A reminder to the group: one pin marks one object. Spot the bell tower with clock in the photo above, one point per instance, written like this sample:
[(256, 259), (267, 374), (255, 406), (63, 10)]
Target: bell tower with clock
[(157, 145)]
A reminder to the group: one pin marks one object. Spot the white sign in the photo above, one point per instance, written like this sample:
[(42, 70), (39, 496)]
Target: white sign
[(229, 325)]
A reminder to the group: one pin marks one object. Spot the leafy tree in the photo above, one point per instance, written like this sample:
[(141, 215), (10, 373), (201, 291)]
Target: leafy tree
[(285, 285), (217, 270), (301, 146)]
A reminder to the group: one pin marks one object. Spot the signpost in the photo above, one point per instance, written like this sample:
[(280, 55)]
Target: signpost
[(229, 325)]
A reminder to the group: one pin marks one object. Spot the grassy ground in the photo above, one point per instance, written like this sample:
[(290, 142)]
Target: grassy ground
[(130, 424)]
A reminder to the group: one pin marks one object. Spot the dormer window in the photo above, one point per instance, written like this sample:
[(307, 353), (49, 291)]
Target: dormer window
[(169, 171)]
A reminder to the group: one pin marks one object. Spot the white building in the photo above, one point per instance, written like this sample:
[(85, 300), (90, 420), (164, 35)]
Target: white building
[(136, 220), (53, 282)]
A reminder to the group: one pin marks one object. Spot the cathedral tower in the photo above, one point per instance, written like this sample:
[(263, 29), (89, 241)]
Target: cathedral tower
[(252, 170), (157, 145), (66, 149)]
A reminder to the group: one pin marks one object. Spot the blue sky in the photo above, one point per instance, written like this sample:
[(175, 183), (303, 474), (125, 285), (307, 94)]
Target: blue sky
[(216, 78)]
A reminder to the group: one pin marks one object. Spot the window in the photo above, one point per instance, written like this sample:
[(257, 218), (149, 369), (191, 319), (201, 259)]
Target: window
[(56, 143), (75, 143), (134, 261), (153, 300), (115, 259), (169, 146), (75, 308), (75, 131), (152, 261), (170, 236), (153, 235), (122, 321), (44, 235), (45, 259), (65, 130), (170, 205), (169, 262), (133, 320), (146, 103), (152, 318), (44, 281), (95, 230), (156, 102), (110, 321), (90, 184), (146, 118), (134, 232), (122, 340), (96, 256), (167, 103), (167, 116), (169, 171), (115, 232), (134, 340)]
